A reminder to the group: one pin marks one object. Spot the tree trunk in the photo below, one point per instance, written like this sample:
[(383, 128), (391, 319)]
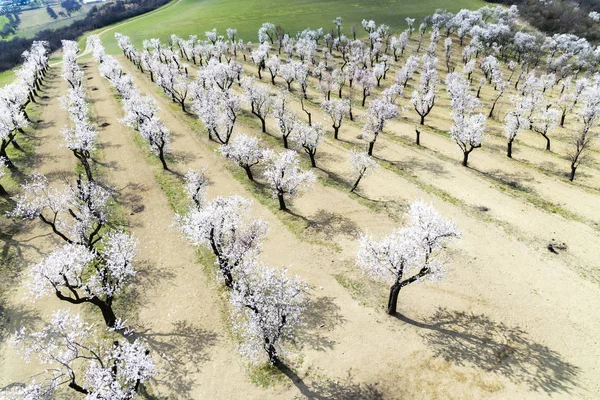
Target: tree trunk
[(161, 156), (465, 162), (573, 169), (16, 145), (281, 202), (263, 123), (393, 298), (509, 149), (547, 142), (562, 119), (356, 183), (107, 311), (285, 141), (335, 131), (418, 139), (371, 145), (249, 173), (422, 120), (312, 159), (3, 191)]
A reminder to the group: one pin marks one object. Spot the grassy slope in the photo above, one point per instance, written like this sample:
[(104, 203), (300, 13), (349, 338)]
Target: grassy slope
[(195, 17), (33, 21)]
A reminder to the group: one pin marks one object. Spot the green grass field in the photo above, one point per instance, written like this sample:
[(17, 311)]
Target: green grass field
[(33, 21), (197, 16)]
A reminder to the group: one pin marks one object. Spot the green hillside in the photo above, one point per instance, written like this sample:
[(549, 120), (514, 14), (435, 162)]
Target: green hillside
[(187, 17)]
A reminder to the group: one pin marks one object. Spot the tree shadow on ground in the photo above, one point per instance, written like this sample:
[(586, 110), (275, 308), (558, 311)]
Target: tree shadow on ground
[(322, 315), (180, 353), (415, 165), (329, 224), (330, 389), (467, 339)]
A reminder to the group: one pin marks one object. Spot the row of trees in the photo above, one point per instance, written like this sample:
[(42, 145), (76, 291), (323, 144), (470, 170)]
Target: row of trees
[(15, 97), (267, 304), (94, 265)]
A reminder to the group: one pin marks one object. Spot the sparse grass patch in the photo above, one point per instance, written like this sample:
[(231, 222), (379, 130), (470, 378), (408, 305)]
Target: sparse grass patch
[(267, 375)]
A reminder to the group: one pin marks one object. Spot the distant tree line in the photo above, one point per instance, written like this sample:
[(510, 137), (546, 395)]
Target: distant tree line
[(97, 17), (11, 26), (560, 16), (51, 12), (70, 5)]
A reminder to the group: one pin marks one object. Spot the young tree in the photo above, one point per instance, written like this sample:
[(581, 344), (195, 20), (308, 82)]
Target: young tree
[(94, 368), (379, 111), (80, 138), (268, 308), (245, 151), (260, 100), (467, 131), (337, 110), (423, 98), (362, 165), (545, 120), (272, 65), (75, 213), (12, 120), (218, 111), (309, 137), (78, 275), (286, 119), (158, 137), (221, 225), (516, 121), (414, 251), (285, 176), (583, 138)]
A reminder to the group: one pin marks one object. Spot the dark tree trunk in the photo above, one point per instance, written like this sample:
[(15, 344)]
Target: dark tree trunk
[(573, 169), (3, 191), (418, 138), (371, 145), (285, 141), (312, 159), (422, 119), (281, 202), (336, 129), (509, 149), (465, 162), (249, 173), (393, 298), (356, 183), (161, 156), (263, 124), (562, 119), (547, 142)]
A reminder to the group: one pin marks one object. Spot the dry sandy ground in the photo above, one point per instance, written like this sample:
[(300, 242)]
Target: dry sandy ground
[(512, 320)]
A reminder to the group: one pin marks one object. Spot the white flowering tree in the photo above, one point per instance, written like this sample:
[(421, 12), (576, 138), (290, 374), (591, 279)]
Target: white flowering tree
[(424, 96), (285, 177), (78, 275), (467, 131), (517, 120), (81, 137), (245, 151), (218, 111), (221, 225), (583, 138), (286, 119), (411, 254), (76, 212), (158, 137), (361, 165), (309, 137), (260, 100), (379, 111), (336, 110), (12, 121), (99, 369), (268, 307), (544, 121)]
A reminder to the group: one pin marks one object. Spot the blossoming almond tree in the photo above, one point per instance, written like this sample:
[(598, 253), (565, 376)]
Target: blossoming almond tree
[(76, 213), (410, 254), (309, 137), (3, 191), (260, 100), (337, 110), (467, 131), (285, 176), (245, 151), (95, 368), (268, 309), (222, 225), (78, 275), (362, 165), (379, 111)]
